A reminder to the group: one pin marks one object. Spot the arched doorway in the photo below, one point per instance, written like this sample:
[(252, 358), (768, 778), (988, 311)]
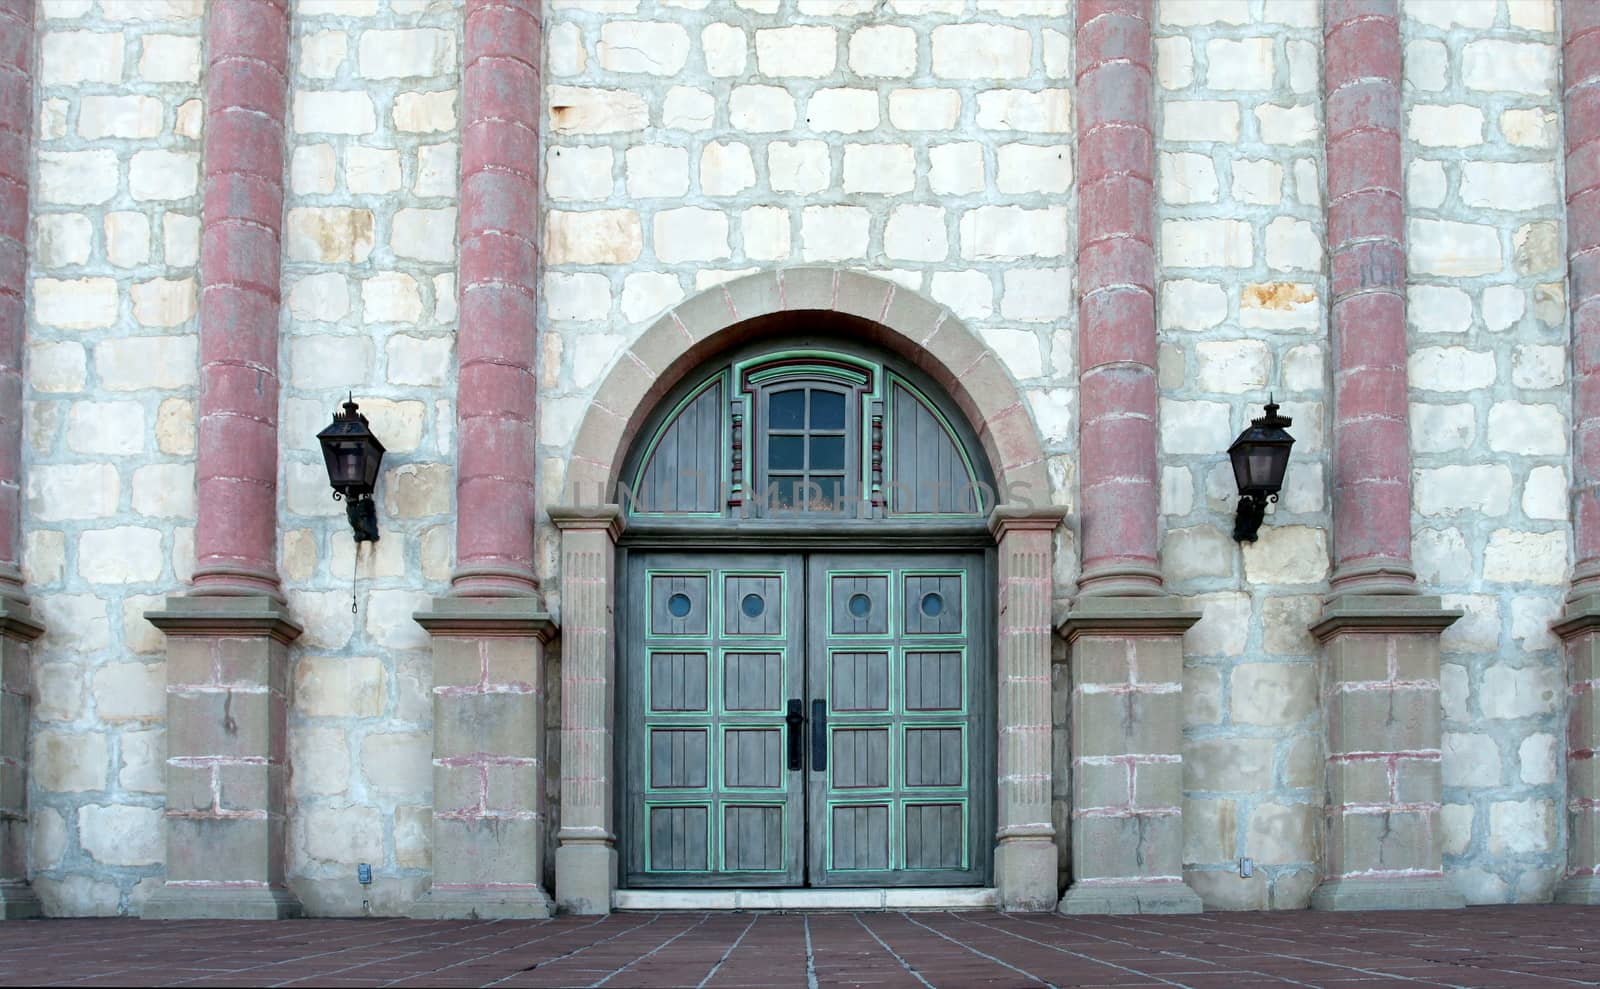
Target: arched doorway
[(806, 661), (660, 376)]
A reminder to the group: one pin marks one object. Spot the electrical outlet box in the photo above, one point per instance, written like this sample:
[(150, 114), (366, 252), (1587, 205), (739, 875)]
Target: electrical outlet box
[(1247, 868), (364, 874)]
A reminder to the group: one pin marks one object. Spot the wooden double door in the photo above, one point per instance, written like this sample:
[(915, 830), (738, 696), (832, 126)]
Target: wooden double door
[(807, 719)]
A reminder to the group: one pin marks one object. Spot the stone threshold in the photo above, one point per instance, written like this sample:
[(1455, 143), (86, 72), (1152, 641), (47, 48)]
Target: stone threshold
[(962, 898)]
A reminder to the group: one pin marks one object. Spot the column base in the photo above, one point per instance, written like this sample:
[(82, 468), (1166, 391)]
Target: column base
[(183, 902), (586, 875), (1025, 873), (482, 903), (1405, 893), (19, 902), (1167, 897), (1579, 891)]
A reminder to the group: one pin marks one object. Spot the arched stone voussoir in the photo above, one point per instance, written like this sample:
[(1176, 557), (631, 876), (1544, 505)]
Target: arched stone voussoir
[(906, 323)]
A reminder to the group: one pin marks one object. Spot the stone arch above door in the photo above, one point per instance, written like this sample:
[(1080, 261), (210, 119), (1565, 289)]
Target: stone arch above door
[(910, 325)]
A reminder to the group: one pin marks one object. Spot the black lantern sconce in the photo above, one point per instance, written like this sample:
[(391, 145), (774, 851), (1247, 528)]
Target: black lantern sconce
[(1260, 457), (353, 456)]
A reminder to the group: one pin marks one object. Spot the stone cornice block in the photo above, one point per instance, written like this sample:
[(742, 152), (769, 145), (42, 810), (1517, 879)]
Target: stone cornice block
[(1015, 516), (487, 616), (226, 615), (608, 517), (1384, 614), (1581, 615), (1152, 615), (16, 620)]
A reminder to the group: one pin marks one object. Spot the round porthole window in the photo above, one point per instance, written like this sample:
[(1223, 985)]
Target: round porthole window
[(860, 605), (753, 605), (932, 605), (678, 605)]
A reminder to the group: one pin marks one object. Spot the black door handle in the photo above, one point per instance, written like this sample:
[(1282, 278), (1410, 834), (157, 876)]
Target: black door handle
[(796, 718), (819, 736)]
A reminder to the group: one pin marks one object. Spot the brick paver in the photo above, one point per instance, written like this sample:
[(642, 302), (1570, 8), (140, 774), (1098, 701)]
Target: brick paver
[(1525, 947)]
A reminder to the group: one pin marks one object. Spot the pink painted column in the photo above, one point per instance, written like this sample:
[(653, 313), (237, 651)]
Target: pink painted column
[(1580, 626), (1116, 311), (1366, 235), (247, 45), (16, 133), (496, 403)]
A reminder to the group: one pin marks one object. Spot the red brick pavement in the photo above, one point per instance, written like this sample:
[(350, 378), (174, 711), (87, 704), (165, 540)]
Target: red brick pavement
[(1528, 946)]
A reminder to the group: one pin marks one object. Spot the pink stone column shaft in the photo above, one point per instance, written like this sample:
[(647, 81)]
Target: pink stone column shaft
[(1581, 32), (1366, 236), (1116, 308), (496, 403), (16, 131), (247, 49)]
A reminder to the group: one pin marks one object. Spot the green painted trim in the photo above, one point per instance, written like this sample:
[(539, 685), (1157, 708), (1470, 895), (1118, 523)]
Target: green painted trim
[(649, 764), (783, 842), (827, 840), (711, 607), (650, 805), (966, 828), (783, 609), (890, 787), (944, 423), (889, 593), (723, 786), (966, 756), (965, 708), (650, 711), (721, 707), (889, 668), (966, 602), (723, 467)]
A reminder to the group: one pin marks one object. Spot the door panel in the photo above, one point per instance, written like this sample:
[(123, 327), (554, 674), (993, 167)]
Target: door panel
[(894, 799), (710, 800)]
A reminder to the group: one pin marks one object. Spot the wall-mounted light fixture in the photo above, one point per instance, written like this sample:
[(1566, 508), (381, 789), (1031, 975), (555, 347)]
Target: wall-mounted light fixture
[(353, 456), (1260, 457)]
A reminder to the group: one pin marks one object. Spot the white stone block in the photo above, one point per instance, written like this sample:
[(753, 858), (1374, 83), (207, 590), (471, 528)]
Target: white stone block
[(424, 234), (1008, 233), (1427, 65), (121, 555), (585, 110), (1257, 182), (1243, 64), (956, 169), (1207, 244), (61, 239), (1446, 247), (1529, 127), (1194, 13), (180, 239), (801, 51), (1018, 350), (581, 296), (127, 116), (1200, 120), (323, 297), (406, 54), (390, 297), (924, 109), (56, 366), (884, 51), (1426, 185), (969, 294), (1192, 305), (334, 112), (981, 51), (1194, 427), (592, 237), (1544, 494), (1457, 490), (127, 238), (802, 167), (916, 233), (657, 48), (1174, 62), (1187, 177), (436, 170), (328, 235), (1304, 64), (67, 58), (371, 170), (1508, 185), (326, 360), (1232, 366), (1288, 124), (761, 109), (419, 360), (688, 109), (1029, 168), (425, 113), (1287, 554), (1512, 692), (1534, 430), (321, 54), (133, 363), (1438, 309), (75, 304), (1503, 306), (1513, 557), (164, 490), (580, 172), (313, 169), (1037, 295), (1536, 759), (844, 111), (833, 233), (1492, 65), (77, 177), (1442, 428), (122, 834), (884, 169), (1048, 111), (1303, 368), (726, 49), (647, 294), (653, 171), (1538, 366), (1052, 415), (1177, 491), (1471, 760), (1456, 125), (164, 301), (691, 234), (1307, 186), (726, 169), (565, 54), (57, 492)]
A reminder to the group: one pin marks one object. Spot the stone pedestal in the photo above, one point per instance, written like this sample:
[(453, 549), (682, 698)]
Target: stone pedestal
[(1025, 866), (1126, 656), (1579, 629), (586, 861), (227, 744), (1381, 685), (488, 759), (17, 630)]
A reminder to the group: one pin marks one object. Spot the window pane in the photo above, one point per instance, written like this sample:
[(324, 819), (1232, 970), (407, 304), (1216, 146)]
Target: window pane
[(781, 492), (827, 410), (827, 453), (832, 489), (786, 452), (787, 409)]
